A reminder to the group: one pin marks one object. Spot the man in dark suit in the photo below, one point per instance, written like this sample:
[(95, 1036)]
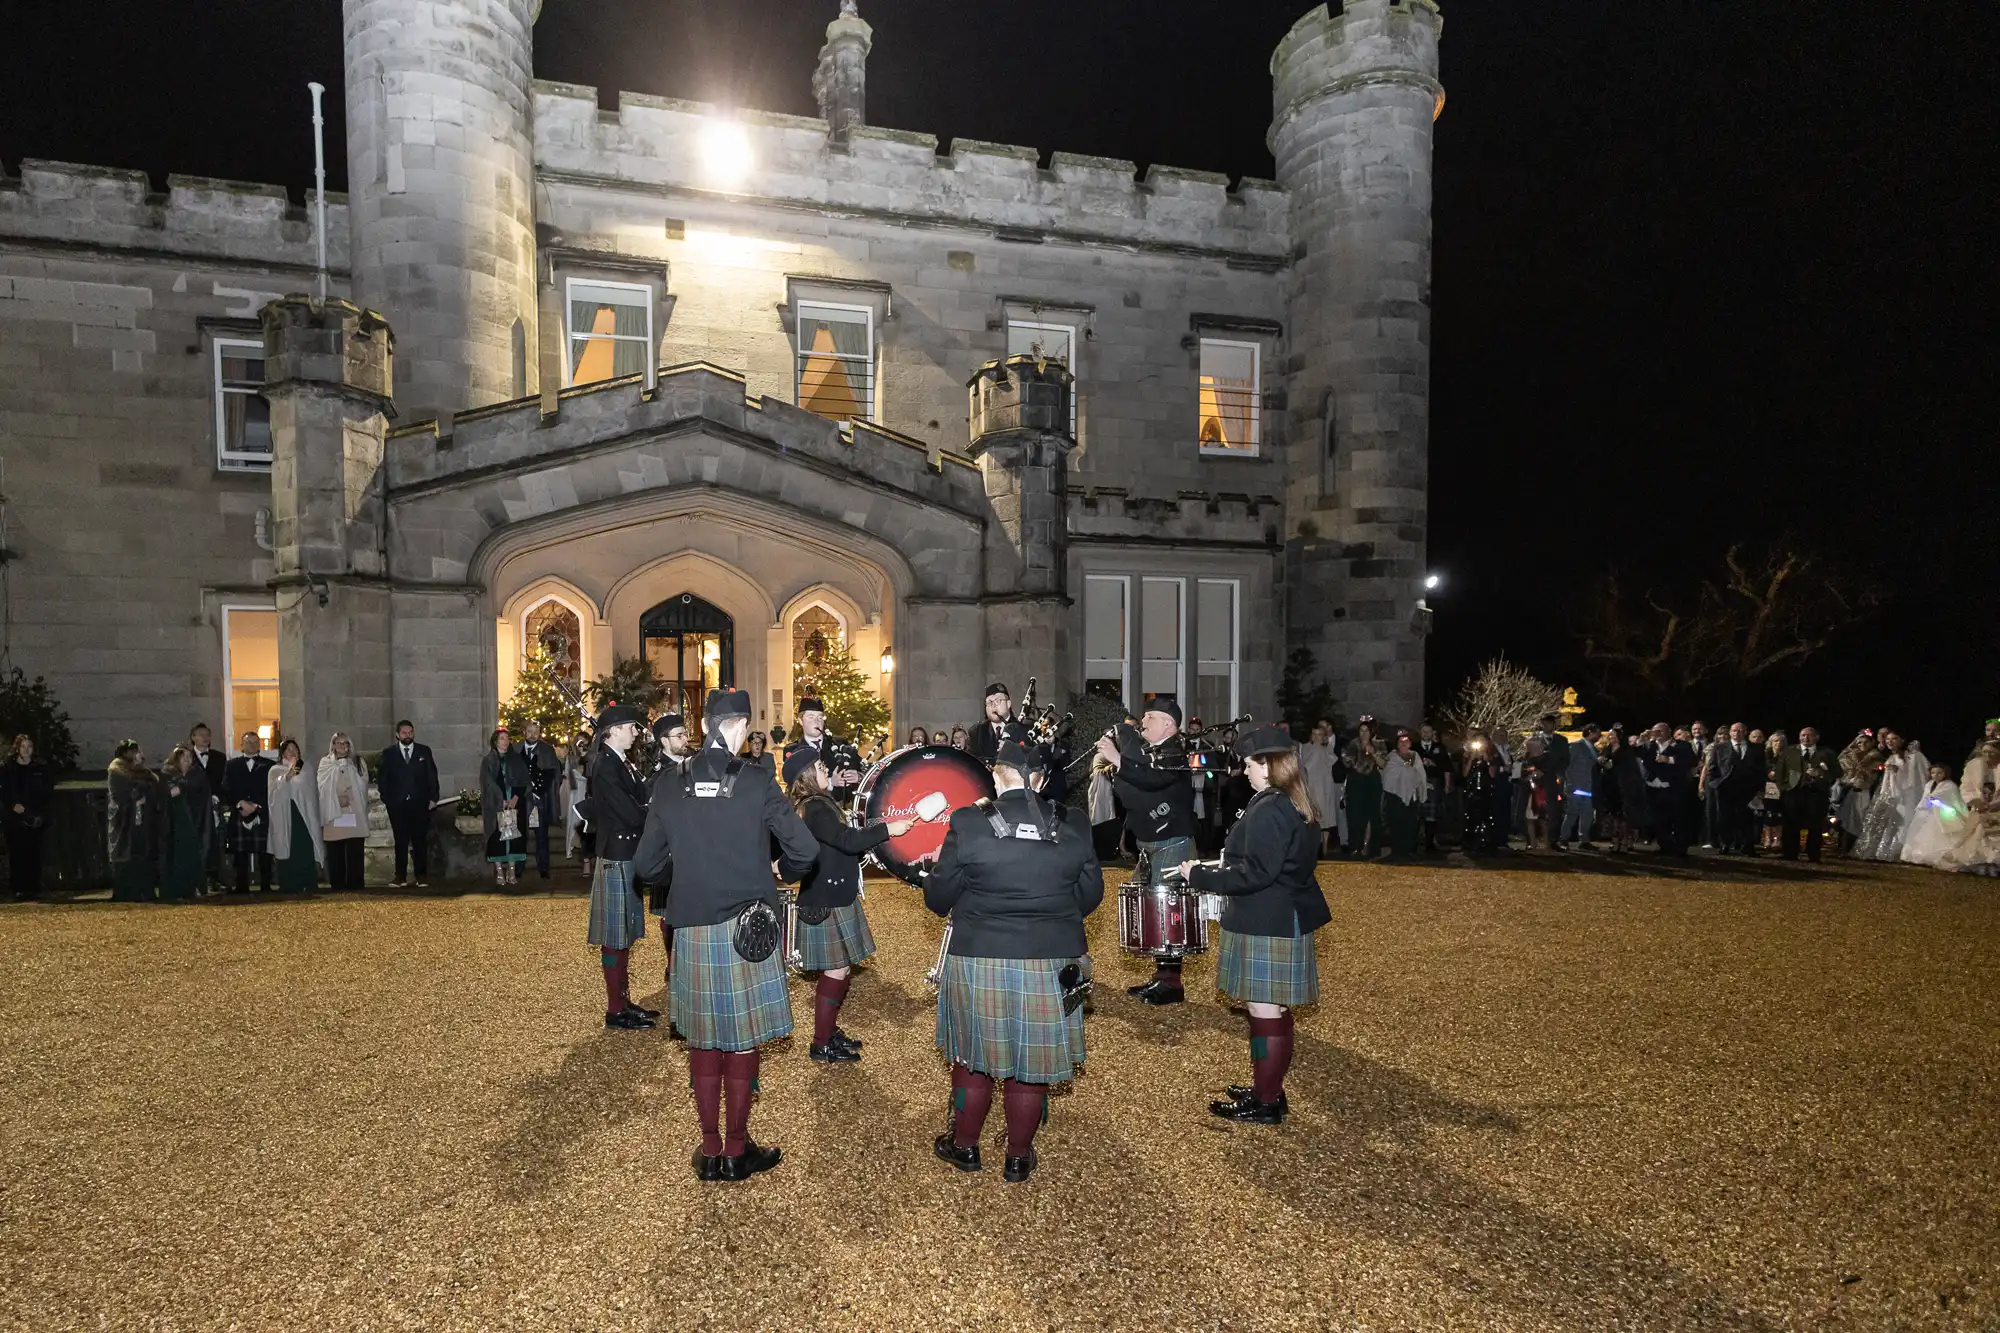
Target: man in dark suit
[(544, 775), (1669, 777), (407, 778), (983, 742), (214, 766), (246, 791), (842, 760), (1805, 780), (1733, 776)]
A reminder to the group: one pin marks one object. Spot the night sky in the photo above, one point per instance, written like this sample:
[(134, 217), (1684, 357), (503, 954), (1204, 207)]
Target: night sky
[(1704, 272)]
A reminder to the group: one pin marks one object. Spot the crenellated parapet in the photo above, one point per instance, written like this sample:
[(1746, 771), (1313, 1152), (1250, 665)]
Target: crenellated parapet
[(661, 144), (1224, 518), (107, 208), (1340, 48)]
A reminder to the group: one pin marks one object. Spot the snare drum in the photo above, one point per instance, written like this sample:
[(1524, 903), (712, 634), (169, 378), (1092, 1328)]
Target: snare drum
[(1161, 921)]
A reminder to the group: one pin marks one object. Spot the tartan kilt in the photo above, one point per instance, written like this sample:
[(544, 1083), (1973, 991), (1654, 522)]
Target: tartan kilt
[(1268, 969), (842, 940), (1003, 1017), (254, 840), (617, 917), (719, 1001)]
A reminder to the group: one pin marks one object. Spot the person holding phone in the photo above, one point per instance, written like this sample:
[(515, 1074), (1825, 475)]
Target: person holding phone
[(292, 798)]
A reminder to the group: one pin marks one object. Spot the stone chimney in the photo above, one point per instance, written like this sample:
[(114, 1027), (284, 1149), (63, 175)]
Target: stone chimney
[(841, 81)]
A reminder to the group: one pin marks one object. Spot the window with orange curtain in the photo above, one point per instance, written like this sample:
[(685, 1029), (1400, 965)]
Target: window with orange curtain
[(610, 330), (1230, 397), (836, 347)]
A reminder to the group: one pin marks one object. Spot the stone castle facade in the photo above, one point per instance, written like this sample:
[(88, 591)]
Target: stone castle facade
[(712, 389)]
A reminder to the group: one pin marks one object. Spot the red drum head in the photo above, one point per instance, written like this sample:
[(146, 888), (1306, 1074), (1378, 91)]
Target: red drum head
[(894, 786)]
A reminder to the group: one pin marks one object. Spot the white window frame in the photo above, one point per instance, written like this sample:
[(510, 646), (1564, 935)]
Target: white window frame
[(1180, 658), (227, 459), (801, 312), (1235, 662), (1256, 448), (1125, 631), (571, 337), (1069, 363), (229, 681)]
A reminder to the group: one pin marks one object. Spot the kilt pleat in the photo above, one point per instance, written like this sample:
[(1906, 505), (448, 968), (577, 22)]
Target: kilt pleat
[(719, 1001), (842, 940), (617, 914), (1268, 969), (1003, 1017)]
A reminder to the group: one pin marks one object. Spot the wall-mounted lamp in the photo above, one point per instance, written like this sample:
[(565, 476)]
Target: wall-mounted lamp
[(888, 661)]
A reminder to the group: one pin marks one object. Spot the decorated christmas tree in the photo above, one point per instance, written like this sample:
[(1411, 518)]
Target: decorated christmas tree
[(853, 711), (537, 699), (630, 681)]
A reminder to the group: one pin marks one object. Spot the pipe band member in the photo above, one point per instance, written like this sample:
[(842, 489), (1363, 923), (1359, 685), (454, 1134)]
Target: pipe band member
[(616, 809), (843, 761), (676, 752), (998, 727), (1017, 876), (1272, 906), (833, 934), (1158, 793), (711, 829)]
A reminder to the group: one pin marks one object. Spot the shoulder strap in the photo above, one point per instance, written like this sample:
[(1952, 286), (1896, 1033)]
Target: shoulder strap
[(994, 817)]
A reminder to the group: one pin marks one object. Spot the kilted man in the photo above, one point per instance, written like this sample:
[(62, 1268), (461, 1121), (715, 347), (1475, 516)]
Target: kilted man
[(1272, 905), (998, 727), (247, 826), (842, 760), (670, 733), (1017, 876), (712, 833), (616, 808), (833, 934), (1158, 792)]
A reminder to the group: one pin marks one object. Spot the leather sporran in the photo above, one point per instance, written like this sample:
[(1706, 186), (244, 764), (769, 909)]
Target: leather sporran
[(756, 933), (813, 915)]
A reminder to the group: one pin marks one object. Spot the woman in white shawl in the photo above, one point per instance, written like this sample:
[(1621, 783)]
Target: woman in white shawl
[(1978, 849), (1318, 758), (293, 804), (343, 805), (1904, 773), (1939, 824)]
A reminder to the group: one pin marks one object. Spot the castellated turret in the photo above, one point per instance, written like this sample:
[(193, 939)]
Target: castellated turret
[(1355, 95), (441, 192)]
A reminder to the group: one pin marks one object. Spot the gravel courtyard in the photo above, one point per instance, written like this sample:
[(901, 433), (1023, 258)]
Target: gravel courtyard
[(1567, 1095)]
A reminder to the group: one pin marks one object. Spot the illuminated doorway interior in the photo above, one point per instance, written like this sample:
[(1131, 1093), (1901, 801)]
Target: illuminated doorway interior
[(691, 645)]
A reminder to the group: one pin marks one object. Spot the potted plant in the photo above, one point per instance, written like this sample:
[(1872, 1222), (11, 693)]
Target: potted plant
[(466, 816)]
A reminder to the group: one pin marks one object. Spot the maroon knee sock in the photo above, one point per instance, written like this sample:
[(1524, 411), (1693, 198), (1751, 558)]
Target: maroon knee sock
[(739, 1080), (1026, 1104), (1270, 1055), (971, 1099), (826, 1006), (614, 979), (1167, 974), (705, 1072)]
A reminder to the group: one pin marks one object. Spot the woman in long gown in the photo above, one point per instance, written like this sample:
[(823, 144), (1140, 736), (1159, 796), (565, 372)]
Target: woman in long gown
[(1482, 825), (1978, 849), (1904, 773), (1939, 823), (186, 827), (293, 803), (134, 826), (503, 780), (1318, 758)]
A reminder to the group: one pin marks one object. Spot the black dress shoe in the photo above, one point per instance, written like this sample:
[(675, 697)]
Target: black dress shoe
[(947, 1149), (1020, 1168), (642, 1011), (1164, 995), (840, 1038), (753, 1160), (627, 1019), (831, 1054), (1250, 1111), (1141, 988), (1244, 1092), (707, 1167)]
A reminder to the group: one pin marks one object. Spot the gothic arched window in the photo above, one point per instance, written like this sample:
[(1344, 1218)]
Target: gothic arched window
[(555, 629), (816, 632)]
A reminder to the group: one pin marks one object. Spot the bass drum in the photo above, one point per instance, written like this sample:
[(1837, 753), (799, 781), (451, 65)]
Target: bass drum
[(898, 783)]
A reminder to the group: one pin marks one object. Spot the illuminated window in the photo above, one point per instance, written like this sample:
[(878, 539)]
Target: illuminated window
[(556, 630), (1052, 342), (836, 351), (610, 330), (1230, 397), (1160, 615), (1216, 649), (242, 417), (1106, 626), (250, 666), (816, 633)]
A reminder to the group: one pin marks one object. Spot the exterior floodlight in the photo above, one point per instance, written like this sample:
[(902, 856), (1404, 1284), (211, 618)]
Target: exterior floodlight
[(1433, 582), (725, 152)]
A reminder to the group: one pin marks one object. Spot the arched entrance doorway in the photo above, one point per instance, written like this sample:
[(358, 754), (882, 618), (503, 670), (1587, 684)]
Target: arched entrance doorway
[(691, 645)]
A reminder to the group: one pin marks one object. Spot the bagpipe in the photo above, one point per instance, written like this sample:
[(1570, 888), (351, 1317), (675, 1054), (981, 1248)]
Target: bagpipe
[(1042, 726)]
